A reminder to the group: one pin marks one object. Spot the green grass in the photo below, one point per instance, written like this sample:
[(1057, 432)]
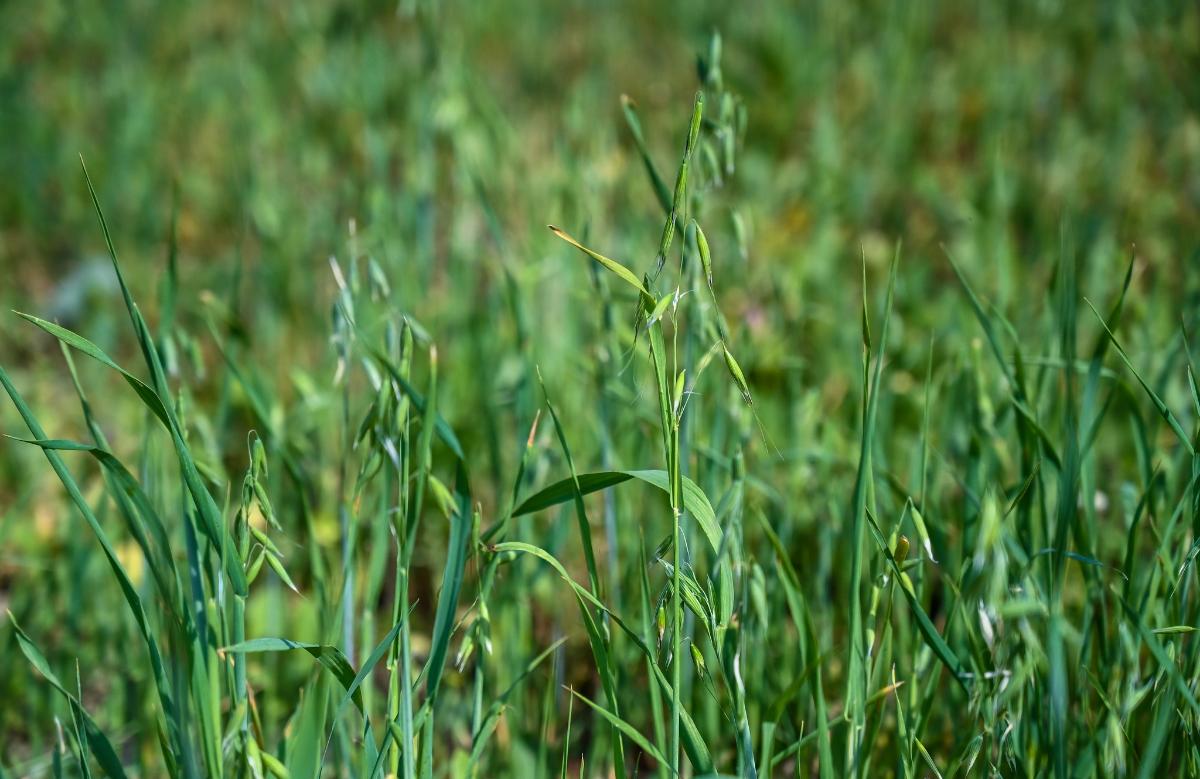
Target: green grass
[(846, 425)]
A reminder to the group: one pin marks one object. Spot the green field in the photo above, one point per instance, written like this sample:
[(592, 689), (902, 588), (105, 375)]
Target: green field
[(846, 422)]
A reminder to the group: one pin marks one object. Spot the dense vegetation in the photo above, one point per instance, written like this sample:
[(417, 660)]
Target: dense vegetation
[(845, 424)]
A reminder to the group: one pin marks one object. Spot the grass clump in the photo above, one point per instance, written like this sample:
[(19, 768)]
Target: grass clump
[(718, 479)]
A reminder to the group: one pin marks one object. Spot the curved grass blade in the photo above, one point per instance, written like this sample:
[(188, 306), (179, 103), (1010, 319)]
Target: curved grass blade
[(626, 729), (693, 743), (1164, 660), (158, 553), (212, 525), (1158, 402), (452, 579), (661, 192), (624, 273), (127, 587), (329, 657), (363, 672), (585, 530), (99, 744), (76, 341), (694, 498), (928, 631)]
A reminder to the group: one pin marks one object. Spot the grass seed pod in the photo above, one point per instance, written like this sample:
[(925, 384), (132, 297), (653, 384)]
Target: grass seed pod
[(735, 372), (705, 254)]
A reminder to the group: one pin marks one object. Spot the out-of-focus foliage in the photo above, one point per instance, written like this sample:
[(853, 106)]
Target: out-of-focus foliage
[(429, 144)]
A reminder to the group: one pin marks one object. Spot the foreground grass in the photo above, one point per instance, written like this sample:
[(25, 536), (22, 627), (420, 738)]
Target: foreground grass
[(653, 492)]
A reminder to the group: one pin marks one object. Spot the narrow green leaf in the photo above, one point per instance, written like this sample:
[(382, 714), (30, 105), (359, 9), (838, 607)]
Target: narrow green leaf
[(626, 275), (97, 742), (694, 499)]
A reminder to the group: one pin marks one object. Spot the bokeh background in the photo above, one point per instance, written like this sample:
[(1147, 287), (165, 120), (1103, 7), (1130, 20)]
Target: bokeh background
[(1008, 135)]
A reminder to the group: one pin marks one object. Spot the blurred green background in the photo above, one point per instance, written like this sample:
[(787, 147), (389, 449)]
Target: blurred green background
[(1002, 133), (1009, 133)]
